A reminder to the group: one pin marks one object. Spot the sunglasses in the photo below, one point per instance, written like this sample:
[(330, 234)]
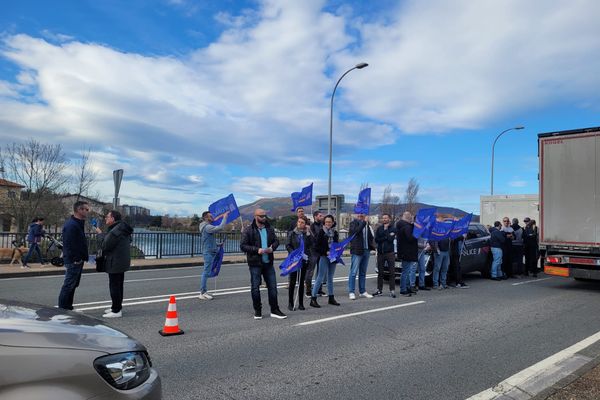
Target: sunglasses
[(262, 216)]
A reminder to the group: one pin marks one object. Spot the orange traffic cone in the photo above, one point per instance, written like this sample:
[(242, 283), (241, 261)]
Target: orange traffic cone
[(171, 323)]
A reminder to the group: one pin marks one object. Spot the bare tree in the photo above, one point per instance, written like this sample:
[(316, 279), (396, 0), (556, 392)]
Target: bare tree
[(410, 197), (40, 168), (84, 177), (390, 203)]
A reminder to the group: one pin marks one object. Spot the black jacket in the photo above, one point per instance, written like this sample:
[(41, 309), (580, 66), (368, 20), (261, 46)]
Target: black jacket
[(408, 245), (293, 242), (357, 245), (75, 248), (116, 247), (321, 246), (497, 238), (385, 239), (251, 243), (530, 237)]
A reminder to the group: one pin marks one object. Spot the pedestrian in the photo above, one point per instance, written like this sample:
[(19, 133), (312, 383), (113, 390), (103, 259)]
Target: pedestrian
[(325, 237), (35, 233), (115, 246), (456, 246), (259, 242), (424, 256), (313, 265), (530, 246), (442, 260), (408, 251), (294, 219), (497, 239), (360, 250), (517, 247), (75, 253), (507, 267), (209, 247), (301, 232), (385, 235)]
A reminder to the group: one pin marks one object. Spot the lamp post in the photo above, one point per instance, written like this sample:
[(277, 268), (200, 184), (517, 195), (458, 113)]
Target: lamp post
[(357, 66), (117, 177), (493, 148)]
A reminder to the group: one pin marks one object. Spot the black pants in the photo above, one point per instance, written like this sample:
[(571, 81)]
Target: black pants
[(292, 286), (507, 266), (115, 284), (311, 267), (390, 259), (517, 254), (531, 258), (455, 268)]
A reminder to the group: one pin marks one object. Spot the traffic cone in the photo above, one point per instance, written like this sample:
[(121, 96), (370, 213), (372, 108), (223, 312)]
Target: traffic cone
[(171, 323)]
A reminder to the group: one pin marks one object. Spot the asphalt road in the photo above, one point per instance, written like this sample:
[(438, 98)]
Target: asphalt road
[(447, 344)]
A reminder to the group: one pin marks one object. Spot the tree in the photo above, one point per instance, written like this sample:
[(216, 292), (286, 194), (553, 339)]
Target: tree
[(40, 168), (84, 177), (195, 222), (390, 203), (410, 197)]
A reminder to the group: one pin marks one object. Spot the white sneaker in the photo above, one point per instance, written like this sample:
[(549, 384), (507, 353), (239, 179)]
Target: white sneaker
[(205, 296), (113, 315), (366, 295), (352, 296), (107, 310)]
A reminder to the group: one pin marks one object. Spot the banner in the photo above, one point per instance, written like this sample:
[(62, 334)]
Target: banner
[(337, 249), (293, 260), (461, 226), (215, 268), (423, 222), (303, 198), (364, 202), (441, 230), (220, 207)]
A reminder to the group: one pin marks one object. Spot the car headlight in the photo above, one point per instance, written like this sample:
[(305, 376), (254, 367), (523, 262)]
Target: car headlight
[(124, 370)]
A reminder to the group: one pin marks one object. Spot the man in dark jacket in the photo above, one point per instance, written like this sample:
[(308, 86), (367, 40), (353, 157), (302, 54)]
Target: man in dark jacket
[(360, 248), (313, 264), (408, 250), (497, 242), (75, 253), (116, 251), (35, 233), (531, 247), (384, 237), (259, 242)]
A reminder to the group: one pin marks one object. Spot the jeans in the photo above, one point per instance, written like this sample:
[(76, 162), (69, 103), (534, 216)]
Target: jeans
[(325, 268), (421, 265), (72, 279), (440, 270), (268, 273), (115, 285), (390, 259), (359, 264), (208, 260), (407, 266), (496, 262), (33, 247)]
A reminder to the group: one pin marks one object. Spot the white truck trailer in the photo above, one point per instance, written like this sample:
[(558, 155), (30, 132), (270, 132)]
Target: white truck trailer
[(570, 202)]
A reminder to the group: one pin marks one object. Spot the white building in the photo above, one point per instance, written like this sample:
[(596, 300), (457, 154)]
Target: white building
[(494, 208)]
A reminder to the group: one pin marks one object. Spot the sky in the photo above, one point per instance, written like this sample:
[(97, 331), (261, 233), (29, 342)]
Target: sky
[(198, 99)]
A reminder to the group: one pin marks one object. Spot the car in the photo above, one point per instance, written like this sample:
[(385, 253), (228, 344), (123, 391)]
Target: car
[(50, 353), (475, 255)]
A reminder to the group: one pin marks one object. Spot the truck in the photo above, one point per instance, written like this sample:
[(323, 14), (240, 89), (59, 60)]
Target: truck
[(569, 182)]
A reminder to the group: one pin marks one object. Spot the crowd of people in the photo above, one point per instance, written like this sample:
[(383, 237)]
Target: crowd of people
[(510, 244)]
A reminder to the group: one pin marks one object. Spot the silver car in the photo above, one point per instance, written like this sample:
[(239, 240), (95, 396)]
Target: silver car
[(49, 353)]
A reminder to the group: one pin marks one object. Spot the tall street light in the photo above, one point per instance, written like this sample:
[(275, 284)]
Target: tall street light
[(493, 148), (357, 66)]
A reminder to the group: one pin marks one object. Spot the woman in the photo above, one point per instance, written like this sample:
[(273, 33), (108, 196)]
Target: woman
[(301, 232), (323, 240), (115, 246)]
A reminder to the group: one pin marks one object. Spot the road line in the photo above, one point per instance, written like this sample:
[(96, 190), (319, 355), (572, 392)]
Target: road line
[(161, 279), (533, 380), (318, 321), (531, 281)]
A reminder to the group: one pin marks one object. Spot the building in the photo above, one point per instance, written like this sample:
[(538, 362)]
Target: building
[(494, 208), (9, 191), (96, 206), (132, 211)]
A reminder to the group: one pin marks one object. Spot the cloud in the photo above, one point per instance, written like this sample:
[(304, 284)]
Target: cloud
[(517, 183), (399, 164), (256, 187)]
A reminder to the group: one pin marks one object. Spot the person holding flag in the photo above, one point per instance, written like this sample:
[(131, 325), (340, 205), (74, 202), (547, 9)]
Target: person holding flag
[(325, 237), (360, 248), (385, 237), (408, 250), (301, 234), (209, 247)]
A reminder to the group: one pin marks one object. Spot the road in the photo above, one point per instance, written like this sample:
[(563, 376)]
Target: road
[(447, 344)]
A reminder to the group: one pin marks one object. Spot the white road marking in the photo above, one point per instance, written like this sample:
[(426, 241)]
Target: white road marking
[(545, 373), (531, 281), (161, 279), (318, 321)]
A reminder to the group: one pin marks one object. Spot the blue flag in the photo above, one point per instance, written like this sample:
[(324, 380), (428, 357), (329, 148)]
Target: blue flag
[(364, 202), (215, 268), (303, 198), (337, 249), (424, 222), (461, 226), (293, 260), (441, 230), (219, 207)]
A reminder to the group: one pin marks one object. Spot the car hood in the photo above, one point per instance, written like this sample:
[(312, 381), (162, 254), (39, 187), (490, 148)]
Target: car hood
[(31, 325)]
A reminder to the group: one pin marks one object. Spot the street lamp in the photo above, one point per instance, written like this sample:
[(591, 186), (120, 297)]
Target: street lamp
[(493, 148), (357, 66)]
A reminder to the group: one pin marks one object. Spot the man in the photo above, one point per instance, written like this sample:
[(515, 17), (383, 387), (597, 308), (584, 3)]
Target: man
[(35, 234), (384, 237), (517, 247), (456, 246), (507, 269), (425, 251), (259, 242), (75, 253), (294, 221), (531, 247), (408, 250), (313, 263), (209, 247), (360, 248), (497, 239), (442, 260)]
